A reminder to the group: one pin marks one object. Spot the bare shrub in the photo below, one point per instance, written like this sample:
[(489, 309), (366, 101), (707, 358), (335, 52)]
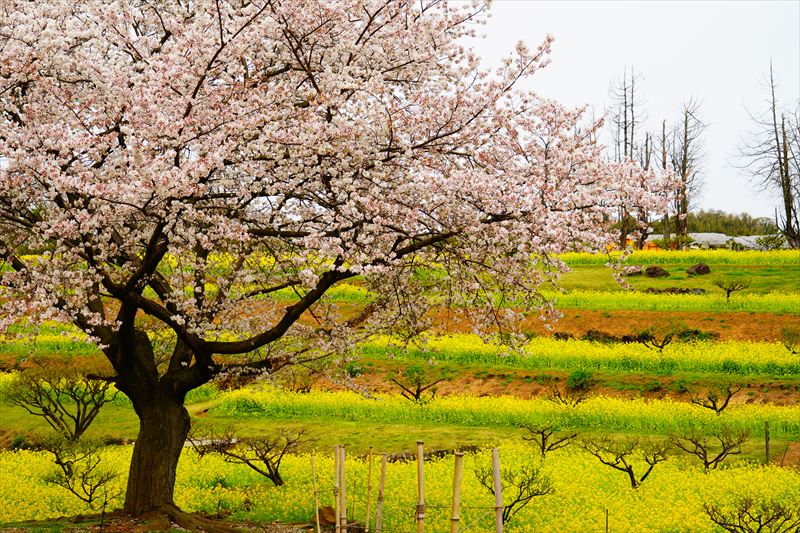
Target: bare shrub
[(620, 455), (712, 449), (262, 454), (546, 439), (750, 516), (67, 398), (520, 485)]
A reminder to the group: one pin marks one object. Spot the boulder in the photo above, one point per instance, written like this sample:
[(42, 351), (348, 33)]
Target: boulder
[(655, 272), (699, 269), (675, 290)]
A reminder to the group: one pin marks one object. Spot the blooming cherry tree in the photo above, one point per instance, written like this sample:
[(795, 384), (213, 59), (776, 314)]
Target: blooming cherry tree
[(169, 163)]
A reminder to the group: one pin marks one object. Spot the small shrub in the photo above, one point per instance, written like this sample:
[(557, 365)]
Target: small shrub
[(580, 381)]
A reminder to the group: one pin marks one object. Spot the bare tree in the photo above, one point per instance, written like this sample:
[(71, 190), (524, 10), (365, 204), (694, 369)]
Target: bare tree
[(262, 454), (703, 446), (620, 453), (417, 383), (79, 469), (718, 397), (686, 157), (626, 116), (731, 285), (67, 398), (772, 158), (520, 486), (749, 516), (547, 440)]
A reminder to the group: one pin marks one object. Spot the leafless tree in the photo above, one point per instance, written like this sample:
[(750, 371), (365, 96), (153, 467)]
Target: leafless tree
[(750, 516), (713, 448), (627, 116), (620, 454), (418, 383), (772, 158), (731, 285), (546, 438), (79, 469), (790, 336), (567, 397), (262, 454), (67, 398), (520, 486), (686, 158), (718, 397)]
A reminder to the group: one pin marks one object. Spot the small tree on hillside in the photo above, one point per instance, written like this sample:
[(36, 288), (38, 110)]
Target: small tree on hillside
[(546, 438), (262, 454), (519, 486), (790, 336), (418, 383), (620, 455), (747, 515), (711, 453), (718, 397), (731, 285), (65, 397)]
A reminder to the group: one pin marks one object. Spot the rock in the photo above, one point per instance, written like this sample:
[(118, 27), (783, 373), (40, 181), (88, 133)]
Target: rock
[(675, 290), (699, 269), (655, 272)]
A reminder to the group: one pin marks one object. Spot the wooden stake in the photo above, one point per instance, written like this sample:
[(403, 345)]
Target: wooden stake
[(420, 488), (455, 515), (498, 491), (369, 489), (342, 491), (766, 440), (379, 504), (316, 495), (336, 506)]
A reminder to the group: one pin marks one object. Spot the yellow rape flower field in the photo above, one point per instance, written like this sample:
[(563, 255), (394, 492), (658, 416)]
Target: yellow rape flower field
[(671, 500)]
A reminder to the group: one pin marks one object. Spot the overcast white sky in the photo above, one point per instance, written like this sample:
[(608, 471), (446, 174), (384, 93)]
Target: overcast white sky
[(717, 51)]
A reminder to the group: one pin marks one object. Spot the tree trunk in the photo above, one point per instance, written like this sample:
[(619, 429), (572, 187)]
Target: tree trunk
[(163, 428)]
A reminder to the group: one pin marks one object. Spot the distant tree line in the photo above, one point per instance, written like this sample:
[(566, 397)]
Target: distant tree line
[(715, 221)]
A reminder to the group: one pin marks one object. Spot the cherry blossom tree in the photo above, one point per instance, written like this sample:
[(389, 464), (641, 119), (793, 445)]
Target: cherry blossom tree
[(168, 164)]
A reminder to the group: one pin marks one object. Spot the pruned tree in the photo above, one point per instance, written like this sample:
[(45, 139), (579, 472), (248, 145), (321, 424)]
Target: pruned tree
[(717, 397), (620, 454), (790, 337), (747, 515), (174, 165), (67, 398), (418, 383), (686, 157), (660, 336), (566, 396), (262, 454), (712, 449), (772, 158), (731, 285), (79, 470), (547, 439), (520, 485)]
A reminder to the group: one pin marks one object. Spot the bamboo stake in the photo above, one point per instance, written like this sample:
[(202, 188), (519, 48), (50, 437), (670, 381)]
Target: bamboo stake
[(379, 504), (336, 506), (342, 490), (316, 495), (498, 491), (455, 515), (420, 488), (369, 489), (766, 441)]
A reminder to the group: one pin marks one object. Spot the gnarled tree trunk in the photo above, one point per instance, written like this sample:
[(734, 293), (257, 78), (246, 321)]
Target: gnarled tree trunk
[(163, 428)]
